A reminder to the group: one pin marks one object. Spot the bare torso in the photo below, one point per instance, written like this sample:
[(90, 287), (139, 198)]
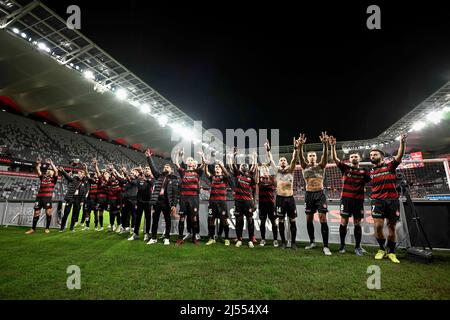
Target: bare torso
[(314, 175), (285, 183)]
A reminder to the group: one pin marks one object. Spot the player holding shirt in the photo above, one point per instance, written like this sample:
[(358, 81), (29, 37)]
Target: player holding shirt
[(384, 198), (315, 199), (44, 197), (354, 179)]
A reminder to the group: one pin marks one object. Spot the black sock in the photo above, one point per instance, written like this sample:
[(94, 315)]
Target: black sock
[(358, 236), (324, 229), (281, 228), (100, 218), (35, 221), (49, 220), (262, 228), (87, 222), (111, 218), (211, 230), (293, 232), (342, 234), (381, 243), (251, 228), (226, 228), (391, 246), (180, 229), (274, 230), (221, 229), (310, 228)]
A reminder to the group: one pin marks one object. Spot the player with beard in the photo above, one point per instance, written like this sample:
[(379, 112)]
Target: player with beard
[(164, 197), (189, 196), (244, 194), (354, 179), (130, 189), (144, 194), (45, 194), (384, 198), (285, 202), (217, 208), (315, 199)]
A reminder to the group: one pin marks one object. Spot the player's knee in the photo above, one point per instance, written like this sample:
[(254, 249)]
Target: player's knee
[(293, 220), (357, 222)]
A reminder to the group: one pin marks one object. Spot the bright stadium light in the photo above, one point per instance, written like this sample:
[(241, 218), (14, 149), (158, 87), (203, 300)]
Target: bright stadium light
[(23, 35), (15, 30), (136, 104), (419, 125), (435, 117), (446, 109), (162, 119), (144, 108), (121, 94), (88, 74)]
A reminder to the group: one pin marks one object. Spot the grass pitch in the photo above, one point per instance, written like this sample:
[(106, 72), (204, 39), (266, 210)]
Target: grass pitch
[(34, 267)]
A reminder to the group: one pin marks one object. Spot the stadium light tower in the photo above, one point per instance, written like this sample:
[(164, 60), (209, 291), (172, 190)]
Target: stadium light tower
[(88, 74), (163, 120), (121, 94)]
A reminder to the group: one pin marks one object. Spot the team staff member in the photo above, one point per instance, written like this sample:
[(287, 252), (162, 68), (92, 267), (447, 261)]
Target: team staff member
[(144, 194), (354, 179), (75, 197), (164, 197), (315, 199), (384, 198), (45, 194)]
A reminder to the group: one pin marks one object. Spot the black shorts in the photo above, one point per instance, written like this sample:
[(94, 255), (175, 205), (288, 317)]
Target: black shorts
[(352, 208), (217, 209), (91, 204), (102, 203), (315, 201), (266, 209), (43, 202), (189, 206), (114, 206), (286, 206), (386, 209), (243, 207)]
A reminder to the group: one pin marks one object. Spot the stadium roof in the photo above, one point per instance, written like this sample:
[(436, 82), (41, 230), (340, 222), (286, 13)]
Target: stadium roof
[(61, 75)]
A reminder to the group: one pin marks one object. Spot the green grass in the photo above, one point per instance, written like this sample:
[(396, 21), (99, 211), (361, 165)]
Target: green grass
[(34, 267)]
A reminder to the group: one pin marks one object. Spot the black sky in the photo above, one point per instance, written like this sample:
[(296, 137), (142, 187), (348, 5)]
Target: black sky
[(300, 68)]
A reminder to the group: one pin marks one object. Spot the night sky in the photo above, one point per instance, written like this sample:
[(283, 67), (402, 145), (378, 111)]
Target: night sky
[(300, 69)]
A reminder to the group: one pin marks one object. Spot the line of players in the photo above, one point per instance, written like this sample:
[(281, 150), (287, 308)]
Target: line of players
[(130, 195)]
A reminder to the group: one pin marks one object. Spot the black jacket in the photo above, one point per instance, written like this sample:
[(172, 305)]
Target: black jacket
[(171, 190), (74, 183)]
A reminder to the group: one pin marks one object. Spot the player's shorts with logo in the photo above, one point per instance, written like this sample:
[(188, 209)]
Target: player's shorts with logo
[(189, 205), (315, 201), (386, 209), (286, 206), (266, 209), (352, 208), (43, 202), (217, 209), (243, 207)]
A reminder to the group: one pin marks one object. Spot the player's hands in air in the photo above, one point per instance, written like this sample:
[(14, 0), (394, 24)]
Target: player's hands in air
[(324, 137), (94, 161), (332, 141), (301, 139), (148, 153), (267, 145), (403, 137)]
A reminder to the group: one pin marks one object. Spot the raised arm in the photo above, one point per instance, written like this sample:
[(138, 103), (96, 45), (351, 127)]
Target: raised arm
[(54, 167), (97, 171), (333, 150), (224, 170), (294, 156), (324, 159), (65, 174), (177, 158), (271, 163), (301, 142), (254, 166), (155, 170), (38, 167), (401, 148)]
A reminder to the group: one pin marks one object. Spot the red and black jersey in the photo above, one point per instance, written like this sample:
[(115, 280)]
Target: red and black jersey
[(102, 188), (218, 188), (190, 182), (266, 188), (383, 180), (353, 181), (243, 189), (114, 190), (47, 186), (93, 188)]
